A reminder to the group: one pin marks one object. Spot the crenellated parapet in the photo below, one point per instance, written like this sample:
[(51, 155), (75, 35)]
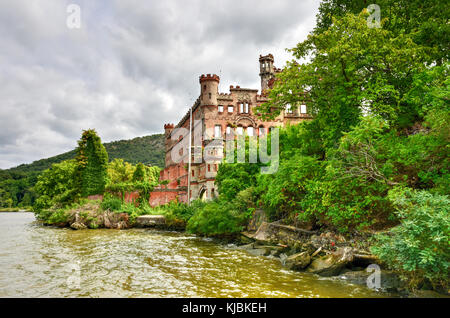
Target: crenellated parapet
[(209, 77), (209, 89)]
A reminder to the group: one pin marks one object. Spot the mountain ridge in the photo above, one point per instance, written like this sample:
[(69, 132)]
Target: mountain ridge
[(16, 183), (115, 150)]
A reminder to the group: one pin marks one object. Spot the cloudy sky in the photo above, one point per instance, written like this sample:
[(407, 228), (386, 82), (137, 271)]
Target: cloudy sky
[(131, 66)]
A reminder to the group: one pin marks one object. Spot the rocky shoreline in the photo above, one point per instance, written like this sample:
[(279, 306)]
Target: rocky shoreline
[(325, 254)]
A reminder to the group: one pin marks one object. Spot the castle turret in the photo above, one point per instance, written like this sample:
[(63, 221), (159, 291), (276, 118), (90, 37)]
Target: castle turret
[(209, 89), (266, 70), (167, 131)]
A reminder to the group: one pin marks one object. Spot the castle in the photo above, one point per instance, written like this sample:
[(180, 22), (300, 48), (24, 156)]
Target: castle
[(217, 114)]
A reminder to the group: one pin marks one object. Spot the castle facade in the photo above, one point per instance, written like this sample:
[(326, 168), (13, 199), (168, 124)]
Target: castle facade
[(214, 116)]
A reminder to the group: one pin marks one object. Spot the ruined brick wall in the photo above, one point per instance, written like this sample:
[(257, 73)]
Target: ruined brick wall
[(216, 110)]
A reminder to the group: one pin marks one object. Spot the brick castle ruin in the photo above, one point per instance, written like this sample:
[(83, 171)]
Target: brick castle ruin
[(219, 115)]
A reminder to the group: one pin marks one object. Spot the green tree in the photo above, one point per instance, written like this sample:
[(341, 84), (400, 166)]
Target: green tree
[(92, 160), (120, 171), (419, 247), (353, 70), (425, 20), (139, 173), (57, 185), (5, 199), (153, 174), (235, 177)]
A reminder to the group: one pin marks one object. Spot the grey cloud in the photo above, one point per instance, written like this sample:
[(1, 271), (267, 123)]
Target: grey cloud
[(132, 67)]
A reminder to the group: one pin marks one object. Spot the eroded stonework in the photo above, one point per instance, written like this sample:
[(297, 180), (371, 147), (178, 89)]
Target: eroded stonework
[(214, 117)]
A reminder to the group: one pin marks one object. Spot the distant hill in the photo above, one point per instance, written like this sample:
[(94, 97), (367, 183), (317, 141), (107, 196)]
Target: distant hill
[(148, 150), (16, 183)]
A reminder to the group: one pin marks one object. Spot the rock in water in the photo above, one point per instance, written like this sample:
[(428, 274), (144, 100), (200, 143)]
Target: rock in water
[(332, 264), (150, 220), (298, 261), (78, 226)]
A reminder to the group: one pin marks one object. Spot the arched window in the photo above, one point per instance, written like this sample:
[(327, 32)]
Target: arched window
[(239, 130), (228, 131)]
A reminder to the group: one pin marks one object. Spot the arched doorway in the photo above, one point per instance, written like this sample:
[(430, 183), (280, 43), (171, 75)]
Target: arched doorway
[(202, 194)]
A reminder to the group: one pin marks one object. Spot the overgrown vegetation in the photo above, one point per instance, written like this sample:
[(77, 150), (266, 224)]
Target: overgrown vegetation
[(379, 98), (92, 162), (17, 184), (419, 247), (64, 187), (374, 157)]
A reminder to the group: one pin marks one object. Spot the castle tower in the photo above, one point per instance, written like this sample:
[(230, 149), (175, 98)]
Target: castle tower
[(168, 128), (209, 89), (266, 70)]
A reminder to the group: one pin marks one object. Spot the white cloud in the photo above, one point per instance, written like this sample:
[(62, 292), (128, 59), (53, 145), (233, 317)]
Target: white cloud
[(132, 67)]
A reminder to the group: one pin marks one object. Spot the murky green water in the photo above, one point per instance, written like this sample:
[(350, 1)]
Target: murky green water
[(38, 261)]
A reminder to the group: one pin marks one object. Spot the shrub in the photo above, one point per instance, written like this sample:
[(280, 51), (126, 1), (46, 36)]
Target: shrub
[(282, 193), (232, 178), (59, 216), (111, 203), (419, 246), (219, 218)]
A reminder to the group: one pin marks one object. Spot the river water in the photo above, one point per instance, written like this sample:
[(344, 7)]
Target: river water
[(40, 261)]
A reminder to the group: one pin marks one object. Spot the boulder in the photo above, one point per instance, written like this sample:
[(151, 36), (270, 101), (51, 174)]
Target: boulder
[(258, 217), (333, 263), (78, 226), (150, 220), (297, 261), (262, 233), (280, 233), (272, 250), (113, 220), (257, 251)]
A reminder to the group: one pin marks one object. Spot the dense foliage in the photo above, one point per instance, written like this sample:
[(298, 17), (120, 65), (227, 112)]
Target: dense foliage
[(419, 246), (57, 185), (92, 164), (374, 156), (221, 217), (16, 184)]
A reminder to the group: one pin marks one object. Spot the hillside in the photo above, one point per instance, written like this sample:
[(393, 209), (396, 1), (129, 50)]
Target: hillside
[(15, 182), (148, 150)]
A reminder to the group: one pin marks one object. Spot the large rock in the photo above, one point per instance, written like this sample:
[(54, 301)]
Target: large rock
[(261, 250), (150, 220), (280, 233), (332, 264), (297, 261), (78, 226), (113, 220), (258, 217)]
